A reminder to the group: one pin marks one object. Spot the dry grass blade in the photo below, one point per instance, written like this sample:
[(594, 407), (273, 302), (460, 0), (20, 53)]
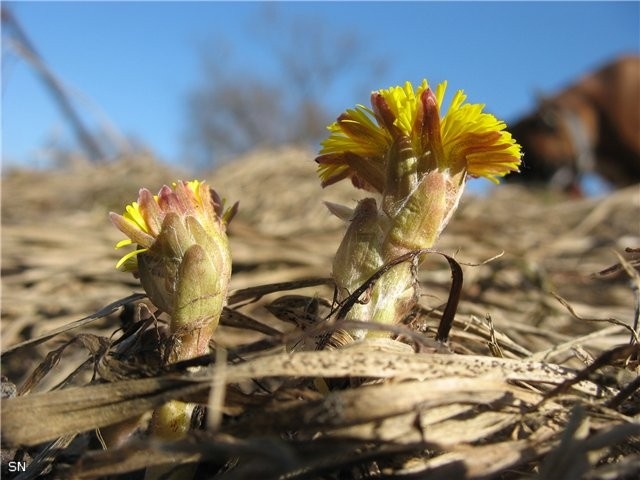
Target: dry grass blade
[(614, 321), (233, 318), (98, 346), (361, 361), (576, 453), (620, 354), (253, 294), (109, 309), (342, 409), (76, 410)]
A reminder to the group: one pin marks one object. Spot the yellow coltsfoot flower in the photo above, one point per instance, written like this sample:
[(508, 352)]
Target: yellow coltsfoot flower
[(183, 258), (184, 264), (418, 161)]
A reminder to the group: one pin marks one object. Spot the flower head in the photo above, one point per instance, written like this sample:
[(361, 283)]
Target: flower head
[(183, 258), (142, 220), (463, 140)]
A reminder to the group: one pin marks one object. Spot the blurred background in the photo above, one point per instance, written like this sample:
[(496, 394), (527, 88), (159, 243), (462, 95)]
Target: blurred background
[(101, 98), (196, 84)]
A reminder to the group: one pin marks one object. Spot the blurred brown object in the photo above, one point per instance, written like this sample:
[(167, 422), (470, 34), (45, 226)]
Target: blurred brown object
[(592, 126)]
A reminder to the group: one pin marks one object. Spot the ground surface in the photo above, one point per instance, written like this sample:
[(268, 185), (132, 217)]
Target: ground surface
[(58, 258)]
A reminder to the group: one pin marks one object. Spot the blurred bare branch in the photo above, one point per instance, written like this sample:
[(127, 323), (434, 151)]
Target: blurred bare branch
[(236, 108), (96, 145)]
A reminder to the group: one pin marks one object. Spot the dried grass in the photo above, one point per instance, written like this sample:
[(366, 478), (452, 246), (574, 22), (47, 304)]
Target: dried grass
[(539, 378)]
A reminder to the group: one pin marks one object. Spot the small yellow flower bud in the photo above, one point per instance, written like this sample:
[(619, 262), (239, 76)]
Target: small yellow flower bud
[(184, 265), (183, 262)]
